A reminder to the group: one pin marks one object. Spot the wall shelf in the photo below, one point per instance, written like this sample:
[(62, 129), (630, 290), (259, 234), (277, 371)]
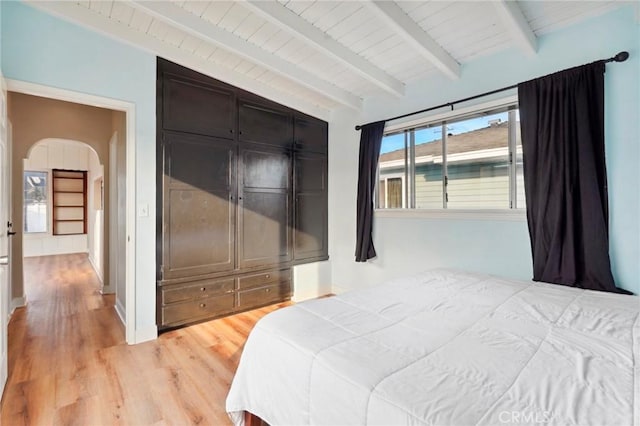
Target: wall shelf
[(69, 194)]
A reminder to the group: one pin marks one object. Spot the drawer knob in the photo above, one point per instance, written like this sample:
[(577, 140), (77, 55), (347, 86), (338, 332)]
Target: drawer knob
[(268, 276), (267, 290), (203, 289), (203, 305)]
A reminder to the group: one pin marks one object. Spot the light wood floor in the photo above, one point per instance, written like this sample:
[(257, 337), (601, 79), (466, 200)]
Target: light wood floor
[(69, 363)]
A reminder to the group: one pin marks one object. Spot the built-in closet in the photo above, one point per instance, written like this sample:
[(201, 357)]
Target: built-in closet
[(242, 197)]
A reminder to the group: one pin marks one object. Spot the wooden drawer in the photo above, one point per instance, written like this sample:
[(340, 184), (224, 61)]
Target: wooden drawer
[(265, 278), (197, 290), (264, 295), (197, 309)]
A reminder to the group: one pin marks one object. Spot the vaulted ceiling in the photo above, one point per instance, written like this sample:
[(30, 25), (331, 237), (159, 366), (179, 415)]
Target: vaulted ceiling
[(320, 55)]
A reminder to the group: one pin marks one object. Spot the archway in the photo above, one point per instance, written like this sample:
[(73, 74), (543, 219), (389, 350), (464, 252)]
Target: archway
[(63, 203)]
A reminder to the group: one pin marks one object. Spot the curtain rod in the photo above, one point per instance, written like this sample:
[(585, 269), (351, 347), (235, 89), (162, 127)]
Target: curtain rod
[(620, 57)]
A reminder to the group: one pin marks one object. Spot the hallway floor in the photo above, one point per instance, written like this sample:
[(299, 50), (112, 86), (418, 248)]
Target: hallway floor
[(69, 363)]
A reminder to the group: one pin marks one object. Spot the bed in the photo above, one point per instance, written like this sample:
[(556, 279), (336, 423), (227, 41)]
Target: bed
[(445, 347)]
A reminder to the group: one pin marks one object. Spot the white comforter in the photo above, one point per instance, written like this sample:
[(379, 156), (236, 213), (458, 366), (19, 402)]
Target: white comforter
[(445, 348)]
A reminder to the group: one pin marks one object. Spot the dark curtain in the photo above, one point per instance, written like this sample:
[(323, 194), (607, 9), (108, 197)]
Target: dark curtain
[(562, 124), (370, 141)]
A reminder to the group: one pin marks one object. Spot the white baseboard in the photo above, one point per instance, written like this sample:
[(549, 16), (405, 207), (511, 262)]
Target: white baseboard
[(17, 302), (96, 269), (107, 289), (145, 334), (140, 335), (3, 371), (122, 313)]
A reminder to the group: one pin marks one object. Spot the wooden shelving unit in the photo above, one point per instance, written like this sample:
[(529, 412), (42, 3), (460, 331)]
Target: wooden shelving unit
[(69, 202)]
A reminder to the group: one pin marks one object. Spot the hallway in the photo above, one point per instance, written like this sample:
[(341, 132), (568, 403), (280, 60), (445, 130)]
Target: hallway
[(69, 363)]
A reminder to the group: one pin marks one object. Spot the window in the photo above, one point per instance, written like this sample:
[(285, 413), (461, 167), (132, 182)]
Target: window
[(69, 202), (470, 162), (35, 201)]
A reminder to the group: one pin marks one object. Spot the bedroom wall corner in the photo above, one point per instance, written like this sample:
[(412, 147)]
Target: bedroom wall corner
[(343, 170), (501, 247), (311, 280)]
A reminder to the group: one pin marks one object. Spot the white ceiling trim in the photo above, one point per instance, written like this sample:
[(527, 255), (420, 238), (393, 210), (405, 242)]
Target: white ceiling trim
[(94, 21), (413, 34), (197, 27), (517, 25), (287, 20)]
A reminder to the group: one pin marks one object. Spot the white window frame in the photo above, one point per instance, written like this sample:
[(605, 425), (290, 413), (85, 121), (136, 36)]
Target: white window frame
[(507, 214)]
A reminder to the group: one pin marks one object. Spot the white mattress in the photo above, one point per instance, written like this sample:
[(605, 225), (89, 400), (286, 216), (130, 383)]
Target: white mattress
[(445, 348)]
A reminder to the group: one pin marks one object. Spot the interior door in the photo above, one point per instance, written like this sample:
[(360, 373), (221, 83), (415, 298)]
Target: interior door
[(4, 237)]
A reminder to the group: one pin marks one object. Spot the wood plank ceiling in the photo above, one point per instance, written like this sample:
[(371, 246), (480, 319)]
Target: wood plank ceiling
[(321, 55)]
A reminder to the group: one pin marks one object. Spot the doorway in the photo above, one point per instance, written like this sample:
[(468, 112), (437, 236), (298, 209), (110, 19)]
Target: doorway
[(118, 216), (63, 208)]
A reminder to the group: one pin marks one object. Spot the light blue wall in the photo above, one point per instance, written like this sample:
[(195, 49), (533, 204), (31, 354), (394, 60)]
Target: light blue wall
[(500, 247), (42, 49)]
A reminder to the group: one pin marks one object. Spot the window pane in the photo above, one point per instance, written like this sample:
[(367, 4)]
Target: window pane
[(520, 198), (428, 149), (35, 201), (392, 171), (478, 163)]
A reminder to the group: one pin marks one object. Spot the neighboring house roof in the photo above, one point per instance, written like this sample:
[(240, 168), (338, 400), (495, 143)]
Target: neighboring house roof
[(491, 137)]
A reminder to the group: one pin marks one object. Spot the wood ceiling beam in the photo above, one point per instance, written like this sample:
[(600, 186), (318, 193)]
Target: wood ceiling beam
[(517, 25), (178, 17), (94, 21), (413, 34), (287, 20)]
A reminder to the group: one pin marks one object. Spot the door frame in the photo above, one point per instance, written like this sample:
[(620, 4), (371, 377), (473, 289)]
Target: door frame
[(5, 283), (129, 109)]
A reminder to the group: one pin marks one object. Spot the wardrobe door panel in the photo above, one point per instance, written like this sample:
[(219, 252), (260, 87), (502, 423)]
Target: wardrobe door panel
[(311, 172), (199, 162), (310, 239), (194, 107), (198, 232), (264, 204), (262, 124), (265, 169), (199, 212), (264, 228), (310, 134), (310, 228)]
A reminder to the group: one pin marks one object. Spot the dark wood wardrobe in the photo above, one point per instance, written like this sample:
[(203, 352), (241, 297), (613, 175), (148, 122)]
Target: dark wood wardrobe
[(242, 197)]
